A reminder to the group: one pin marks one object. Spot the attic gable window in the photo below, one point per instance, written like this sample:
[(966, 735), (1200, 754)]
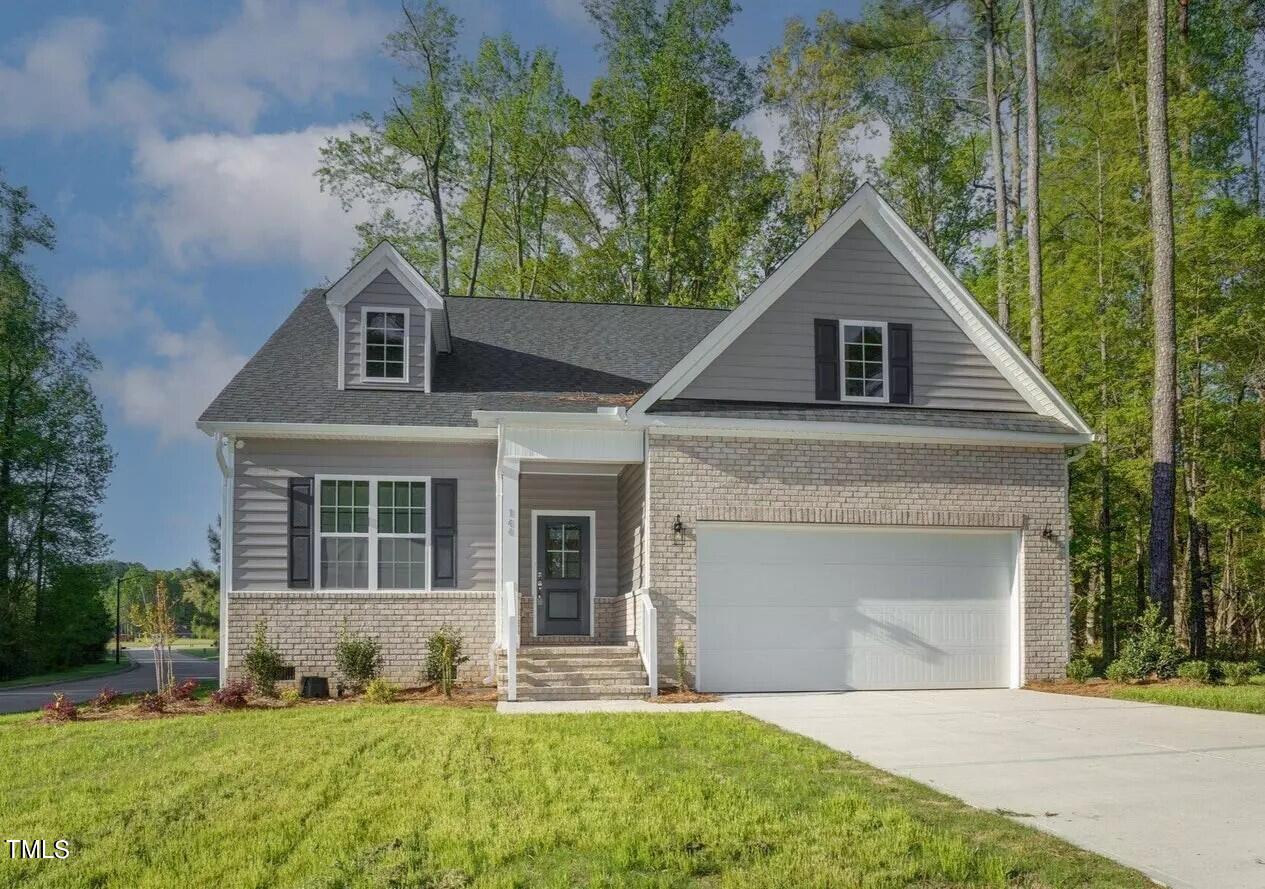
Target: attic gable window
[(386, 344), (864, 360)]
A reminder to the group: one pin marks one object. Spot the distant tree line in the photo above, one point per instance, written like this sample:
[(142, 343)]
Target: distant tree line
[(1092, 169)]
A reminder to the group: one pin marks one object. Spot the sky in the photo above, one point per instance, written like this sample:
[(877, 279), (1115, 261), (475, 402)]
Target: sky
[(173, 144)]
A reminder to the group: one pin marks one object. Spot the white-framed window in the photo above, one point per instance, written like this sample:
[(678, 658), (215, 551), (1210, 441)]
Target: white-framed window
[(373, 533), (386, 343), (863, 354)]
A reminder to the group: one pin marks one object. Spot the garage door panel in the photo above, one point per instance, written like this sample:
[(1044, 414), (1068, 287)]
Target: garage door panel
[(798, 608)]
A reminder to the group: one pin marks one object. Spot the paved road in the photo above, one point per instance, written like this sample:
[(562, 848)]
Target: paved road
[(140, 678), (1175, 792)]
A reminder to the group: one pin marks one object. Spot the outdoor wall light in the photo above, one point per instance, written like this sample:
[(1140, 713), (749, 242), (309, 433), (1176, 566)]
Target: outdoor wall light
[(677, 529), (1049, 534)]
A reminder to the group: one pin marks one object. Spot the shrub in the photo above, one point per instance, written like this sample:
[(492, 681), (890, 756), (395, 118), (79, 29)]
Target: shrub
[(443, 657), (380, 691), (1120, 671), (105, 698), (680, 665), (264, 664), (61, 709), (1195, 671), (1079, 669), (290, 696), (1237, 672), (358, 658), (1152, 650), (151, 703), (233, 695), (184, 691)]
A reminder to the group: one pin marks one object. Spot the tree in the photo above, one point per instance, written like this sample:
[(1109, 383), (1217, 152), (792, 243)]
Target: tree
[(1163, 307), (988, 31), (1033, 231)]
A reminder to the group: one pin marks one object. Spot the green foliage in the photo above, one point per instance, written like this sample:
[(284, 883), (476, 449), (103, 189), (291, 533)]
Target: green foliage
[(443, 657), (290, 696), (679, 653), (358, 658), (264, 664), (381, 691), (1121, 670), (1195, 671), (1079, 670), (1152, 650), (1237, 672)]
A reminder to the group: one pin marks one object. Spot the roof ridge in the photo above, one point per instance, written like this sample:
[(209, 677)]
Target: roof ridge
[(585, 302)]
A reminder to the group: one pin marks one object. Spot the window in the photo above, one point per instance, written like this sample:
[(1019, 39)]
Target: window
[(386, 344), (373, 534), (864, 360), (562, 551)]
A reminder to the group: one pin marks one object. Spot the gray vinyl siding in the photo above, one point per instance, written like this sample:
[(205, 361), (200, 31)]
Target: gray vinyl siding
[(580, 492), (857, 279), (385, 290), (262, 468), (632, 499)]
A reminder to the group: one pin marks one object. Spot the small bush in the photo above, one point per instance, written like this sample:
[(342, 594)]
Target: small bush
[(61, 709), (1237, 672), (233, 695), (380, 691), (443, 657), (290, 696), (151, 703), (680, 665), (264, 664), (105, 698), (359, 658), (185, 690), (1079, 670), (1152, 650), (1120, 671), (1195, 671)]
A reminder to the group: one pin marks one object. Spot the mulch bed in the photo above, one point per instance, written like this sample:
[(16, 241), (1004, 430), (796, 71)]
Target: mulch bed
[(672, 695), (1098, 688)]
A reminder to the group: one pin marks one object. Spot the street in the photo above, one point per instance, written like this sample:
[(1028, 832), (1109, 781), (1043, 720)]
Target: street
[(139, 678)]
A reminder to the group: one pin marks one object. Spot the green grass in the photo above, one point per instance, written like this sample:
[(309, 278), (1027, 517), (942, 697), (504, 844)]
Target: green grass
[(1248, 698), (85, 671), (356, 795)]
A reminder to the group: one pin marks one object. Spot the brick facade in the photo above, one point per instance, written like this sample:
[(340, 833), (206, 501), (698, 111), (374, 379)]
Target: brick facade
[(717, 478), (305, 627)]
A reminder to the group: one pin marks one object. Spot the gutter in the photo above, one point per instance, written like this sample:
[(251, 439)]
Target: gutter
[(350, 431)]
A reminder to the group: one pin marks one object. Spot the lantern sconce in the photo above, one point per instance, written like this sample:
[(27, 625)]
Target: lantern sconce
[(677, 530)]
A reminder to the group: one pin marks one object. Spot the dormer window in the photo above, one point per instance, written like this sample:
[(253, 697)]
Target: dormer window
[(864, 360), (386, 345)]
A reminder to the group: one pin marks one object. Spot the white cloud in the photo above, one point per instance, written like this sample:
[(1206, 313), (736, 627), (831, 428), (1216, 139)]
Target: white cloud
[(108, 301), (51, 87), (295, 51), (169, 394), (244, 198), (764, 123)]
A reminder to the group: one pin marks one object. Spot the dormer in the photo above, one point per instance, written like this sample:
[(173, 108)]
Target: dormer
[(391, 324)]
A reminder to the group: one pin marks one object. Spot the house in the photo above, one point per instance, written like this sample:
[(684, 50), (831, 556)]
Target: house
[(853, 480)]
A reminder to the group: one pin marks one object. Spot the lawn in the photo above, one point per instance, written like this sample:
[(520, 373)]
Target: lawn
[(1248, 698), (85, 671), (351, 795)]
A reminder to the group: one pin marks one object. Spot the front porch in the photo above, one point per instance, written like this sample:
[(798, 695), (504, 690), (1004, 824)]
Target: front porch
[(574, 619)]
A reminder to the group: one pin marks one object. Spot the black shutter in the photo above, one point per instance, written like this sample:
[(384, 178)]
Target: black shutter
[(443, 529), (826, 346), (299, 573), (900, 363)]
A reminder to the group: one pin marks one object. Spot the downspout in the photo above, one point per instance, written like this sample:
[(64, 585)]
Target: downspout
[(225, 447), (497, 636)]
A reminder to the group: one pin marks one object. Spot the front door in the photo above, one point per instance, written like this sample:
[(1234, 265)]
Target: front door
[(562, 575)]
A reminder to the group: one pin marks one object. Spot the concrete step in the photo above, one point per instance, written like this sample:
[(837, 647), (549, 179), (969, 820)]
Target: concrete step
[(575, 650), (555, 680), (581, 692)]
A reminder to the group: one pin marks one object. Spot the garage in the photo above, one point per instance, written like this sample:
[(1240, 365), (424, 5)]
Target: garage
[(831, 607)]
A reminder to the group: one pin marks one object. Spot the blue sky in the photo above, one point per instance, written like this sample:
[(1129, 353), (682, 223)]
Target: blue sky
[(173, 144)]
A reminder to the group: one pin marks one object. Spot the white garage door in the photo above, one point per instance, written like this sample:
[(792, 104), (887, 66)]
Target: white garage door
[(821, 608)]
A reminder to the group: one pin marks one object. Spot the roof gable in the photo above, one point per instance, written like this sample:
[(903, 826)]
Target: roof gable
[(385, 258), (868, 209)]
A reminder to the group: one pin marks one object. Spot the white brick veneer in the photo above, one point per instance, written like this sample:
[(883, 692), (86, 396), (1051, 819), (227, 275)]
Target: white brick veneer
[(783, 480), (305, 626)]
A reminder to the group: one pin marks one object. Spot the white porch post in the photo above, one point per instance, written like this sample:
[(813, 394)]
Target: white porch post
[(225, 454), (509, 524)]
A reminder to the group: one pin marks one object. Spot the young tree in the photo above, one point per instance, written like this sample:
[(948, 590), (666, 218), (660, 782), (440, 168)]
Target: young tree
[(1036, 308), (992, 97)]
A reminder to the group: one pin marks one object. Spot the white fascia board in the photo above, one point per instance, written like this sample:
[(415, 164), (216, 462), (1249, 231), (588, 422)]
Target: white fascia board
[(383, 258), (867, 205), (810, 429), (550, 419), (349, 431)]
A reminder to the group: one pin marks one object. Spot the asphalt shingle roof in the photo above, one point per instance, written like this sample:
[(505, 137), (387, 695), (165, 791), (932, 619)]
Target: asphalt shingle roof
[(507, 354)]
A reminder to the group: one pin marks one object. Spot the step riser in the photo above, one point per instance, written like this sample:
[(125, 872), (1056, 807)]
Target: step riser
[(576, 672), (585, 694)]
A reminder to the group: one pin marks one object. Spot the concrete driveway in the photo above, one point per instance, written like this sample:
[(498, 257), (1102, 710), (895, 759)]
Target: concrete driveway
[(1175, 792), (140, 678)]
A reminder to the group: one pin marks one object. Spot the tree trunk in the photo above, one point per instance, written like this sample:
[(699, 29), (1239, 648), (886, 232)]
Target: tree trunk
[(437, 204), (483, 212), (1037, 346), (999, 169), (1104, 445), (1164, 395)]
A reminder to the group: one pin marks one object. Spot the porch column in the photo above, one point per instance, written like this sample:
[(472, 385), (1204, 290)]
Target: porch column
[(508, 530)]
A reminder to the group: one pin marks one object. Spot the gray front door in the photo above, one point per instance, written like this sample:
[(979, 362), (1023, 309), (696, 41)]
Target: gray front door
[(562, 575)]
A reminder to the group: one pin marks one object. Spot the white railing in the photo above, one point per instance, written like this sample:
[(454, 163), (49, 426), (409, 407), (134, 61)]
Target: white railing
[(646, 628), (509, 637)]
